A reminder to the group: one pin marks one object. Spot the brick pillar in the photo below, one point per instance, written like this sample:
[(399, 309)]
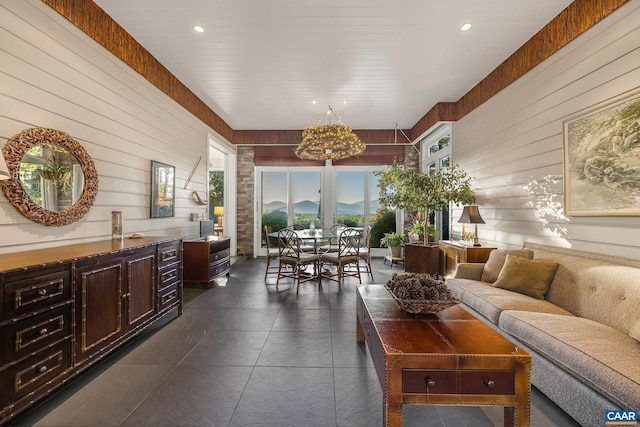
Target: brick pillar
[(411, 157), (246, 171)]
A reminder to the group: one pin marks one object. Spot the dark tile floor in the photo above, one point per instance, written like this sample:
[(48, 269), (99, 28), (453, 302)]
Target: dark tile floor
[(246, 354)]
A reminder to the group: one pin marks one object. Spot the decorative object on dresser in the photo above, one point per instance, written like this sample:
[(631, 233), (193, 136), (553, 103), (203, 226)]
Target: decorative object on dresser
[(32, 157), (206, 260), (454, 252), (471, 215), (66, 308)]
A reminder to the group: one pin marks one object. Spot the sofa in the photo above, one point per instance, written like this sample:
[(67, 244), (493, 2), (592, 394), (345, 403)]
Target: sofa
[(582, 328)]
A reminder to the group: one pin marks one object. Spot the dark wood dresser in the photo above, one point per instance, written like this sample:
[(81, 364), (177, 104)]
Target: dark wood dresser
[(206, 259), (65, 308), (453, 253)]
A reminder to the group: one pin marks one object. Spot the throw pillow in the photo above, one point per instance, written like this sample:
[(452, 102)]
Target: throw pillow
[(526, 276), (496, 260)]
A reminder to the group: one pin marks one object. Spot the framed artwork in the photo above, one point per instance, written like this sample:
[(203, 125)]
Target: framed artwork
[(602, 159), (162, 190)]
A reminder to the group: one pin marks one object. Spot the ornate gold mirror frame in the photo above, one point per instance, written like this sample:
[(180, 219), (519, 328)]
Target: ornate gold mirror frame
[(15, 149)]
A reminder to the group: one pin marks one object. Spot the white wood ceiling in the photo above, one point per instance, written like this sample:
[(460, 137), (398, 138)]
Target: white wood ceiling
[(260, 63)]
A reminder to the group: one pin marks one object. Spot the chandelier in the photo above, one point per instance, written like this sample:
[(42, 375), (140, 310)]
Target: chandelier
[(329, 142)]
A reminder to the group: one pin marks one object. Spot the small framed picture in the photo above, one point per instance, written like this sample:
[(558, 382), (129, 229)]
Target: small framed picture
[(162, 190)]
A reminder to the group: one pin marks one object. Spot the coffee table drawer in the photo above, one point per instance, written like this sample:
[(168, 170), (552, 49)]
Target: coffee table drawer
[(487, 382), (436, 381)]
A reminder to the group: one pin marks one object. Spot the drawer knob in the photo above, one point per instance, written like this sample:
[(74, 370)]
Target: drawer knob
[(43, 331), (42, 292), (489, 383), (42, 369), (430, 382)]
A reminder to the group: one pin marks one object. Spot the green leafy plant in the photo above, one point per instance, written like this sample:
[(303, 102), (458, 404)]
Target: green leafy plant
[(392, 239), (421, 193), (54, 165)]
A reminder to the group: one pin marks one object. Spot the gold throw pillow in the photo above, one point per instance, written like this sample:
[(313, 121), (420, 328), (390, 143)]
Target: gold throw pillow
[(526, 276)]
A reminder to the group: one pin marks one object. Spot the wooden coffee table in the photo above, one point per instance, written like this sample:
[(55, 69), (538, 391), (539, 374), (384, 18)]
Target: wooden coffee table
[(447, 358)]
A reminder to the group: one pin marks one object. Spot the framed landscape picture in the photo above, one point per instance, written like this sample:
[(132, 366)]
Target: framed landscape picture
[(162, 190), (602, 159)]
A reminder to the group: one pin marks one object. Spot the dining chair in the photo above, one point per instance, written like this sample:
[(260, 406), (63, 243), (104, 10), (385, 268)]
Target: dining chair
[(365, 253), (290, 254), (347, 255), (272, 253)]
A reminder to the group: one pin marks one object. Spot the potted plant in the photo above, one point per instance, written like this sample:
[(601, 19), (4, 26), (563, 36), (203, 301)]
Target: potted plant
[(394, 242), (54, 170), (421, 193)]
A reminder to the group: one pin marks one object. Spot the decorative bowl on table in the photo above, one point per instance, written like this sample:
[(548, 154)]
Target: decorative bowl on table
[(420, 293)]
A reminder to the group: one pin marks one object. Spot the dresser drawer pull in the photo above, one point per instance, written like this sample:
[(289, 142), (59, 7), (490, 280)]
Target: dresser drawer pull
[(169, 255), (42, 369), (169, 275), (430, 382), (125, 296), (43, 331), (489, 383), (42, 292)]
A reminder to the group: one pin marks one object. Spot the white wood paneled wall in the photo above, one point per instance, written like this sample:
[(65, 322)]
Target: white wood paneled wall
[(513, 144), (53, 75)]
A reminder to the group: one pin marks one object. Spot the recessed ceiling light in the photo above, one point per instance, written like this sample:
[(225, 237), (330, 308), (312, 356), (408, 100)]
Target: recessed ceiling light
[(344, 102), (198, 28), (313, 102), (466, 26)]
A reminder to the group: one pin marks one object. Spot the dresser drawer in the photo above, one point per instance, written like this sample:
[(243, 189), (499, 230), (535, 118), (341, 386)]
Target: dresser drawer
[(33, 333), (168, 297), (168, 253), (168, 275), (218, 256), (487, 382), (433, 381), (218, 269), (36, 289), (23, 378)]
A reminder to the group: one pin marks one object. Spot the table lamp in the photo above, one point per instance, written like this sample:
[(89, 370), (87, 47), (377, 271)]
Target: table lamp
[(219, 211), (471, 215)]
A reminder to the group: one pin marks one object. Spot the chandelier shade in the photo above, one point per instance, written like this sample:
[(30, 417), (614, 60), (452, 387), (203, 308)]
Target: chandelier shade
[(329, 142)]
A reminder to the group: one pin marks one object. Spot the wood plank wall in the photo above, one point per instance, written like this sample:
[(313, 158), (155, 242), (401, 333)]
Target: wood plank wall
[(513, 143), (53, 75)]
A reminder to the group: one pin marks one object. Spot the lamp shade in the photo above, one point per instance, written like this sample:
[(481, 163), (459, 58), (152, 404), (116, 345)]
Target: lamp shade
[(471, 215), (218, 210)]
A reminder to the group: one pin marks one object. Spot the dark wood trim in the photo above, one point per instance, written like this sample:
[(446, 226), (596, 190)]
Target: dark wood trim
[(577, 18), (97, 24)]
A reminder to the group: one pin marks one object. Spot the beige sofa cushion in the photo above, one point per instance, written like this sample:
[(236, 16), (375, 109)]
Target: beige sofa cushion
[(635, 331), (526, 276), (496, 260), (489, 301), (603, 357)]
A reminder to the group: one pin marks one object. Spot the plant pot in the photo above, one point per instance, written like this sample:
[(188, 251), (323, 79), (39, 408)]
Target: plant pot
[(55, 176), (395, 251)]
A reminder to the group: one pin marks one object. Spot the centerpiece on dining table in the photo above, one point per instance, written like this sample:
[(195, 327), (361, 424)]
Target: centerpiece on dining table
[(420, 293)]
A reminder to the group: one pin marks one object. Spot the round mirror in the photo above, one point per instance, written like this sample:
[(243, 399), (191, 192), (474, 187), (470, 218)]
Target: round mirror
[(53, 179)]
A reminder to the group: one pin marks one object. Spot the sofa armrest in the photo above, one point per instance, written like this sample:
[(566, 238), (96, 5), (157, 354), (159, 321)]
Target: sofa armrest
[(469, 270)]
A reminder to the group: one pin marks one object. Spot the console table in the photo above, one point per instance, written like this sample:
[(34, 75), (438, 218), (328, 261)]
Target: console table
[(447, 358), (453, 253)]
